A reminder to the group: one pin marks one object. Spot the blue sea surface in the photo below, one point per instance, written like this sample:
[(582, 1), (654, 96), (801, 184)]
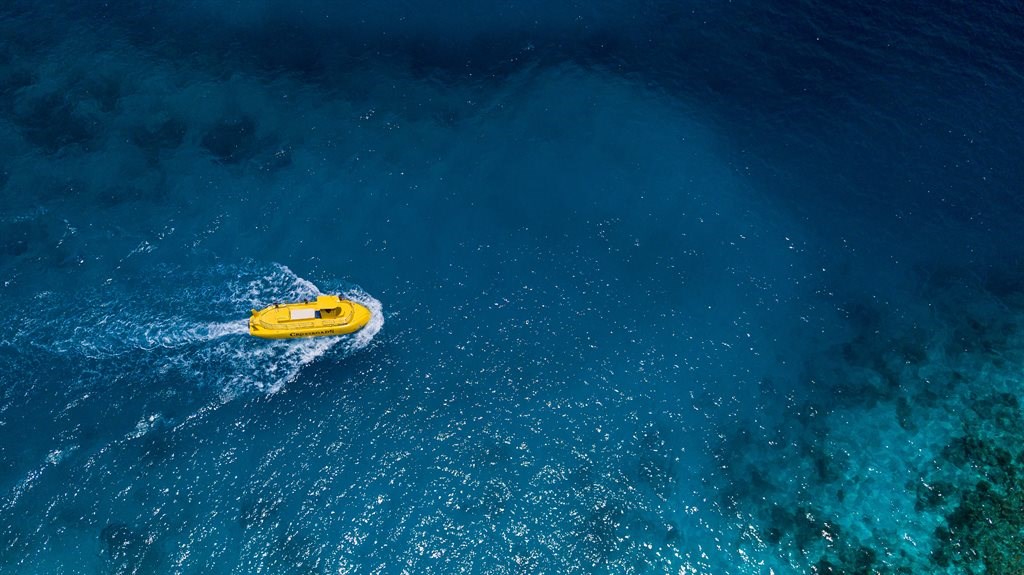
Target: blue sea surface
[(658, 287)]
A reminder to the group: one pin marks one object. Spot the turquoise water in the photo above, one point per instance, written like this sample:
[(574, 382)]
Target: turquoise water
[(715, 289)]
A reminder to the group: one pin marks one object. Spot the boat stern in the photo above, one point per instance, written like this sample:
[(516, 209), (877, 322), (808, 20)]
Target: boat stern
[(254, 327)]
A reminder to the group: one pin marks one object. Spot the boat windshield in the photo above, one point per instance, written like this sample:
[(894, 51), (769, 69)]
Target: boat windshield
[(331, 312)]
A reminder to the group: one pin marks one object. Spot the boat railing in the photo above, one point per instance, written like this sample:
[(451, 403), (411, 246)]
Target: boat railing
[(303, 324)]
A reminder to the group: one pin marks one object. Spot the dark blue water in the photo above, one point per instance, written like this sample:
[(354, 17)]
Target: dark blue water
[(692, 288)]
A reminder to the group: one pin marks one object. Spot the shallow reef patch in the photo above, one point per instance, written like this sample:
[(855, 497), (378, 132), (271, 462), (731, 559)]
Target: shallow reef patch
[(908, 458)]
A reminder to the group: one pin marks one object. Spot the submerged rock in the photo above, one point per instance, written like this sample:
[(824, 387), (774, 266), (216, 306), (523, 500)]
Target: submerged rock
[(930, 496), (52, 122), (232, 141), (168, 135), (14, 239)]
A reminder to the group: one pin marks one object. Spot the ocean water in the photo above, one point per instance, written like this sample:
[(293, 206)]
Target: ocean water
[(685, 288)]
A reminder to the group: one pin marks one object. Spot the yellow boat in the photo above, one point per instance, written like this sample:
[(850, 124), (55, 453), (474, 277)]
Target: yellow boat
[(327, 315)]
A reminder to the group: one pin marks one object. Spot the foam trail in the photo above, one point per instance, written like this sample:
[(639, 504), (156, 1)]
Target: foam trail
[(213, 351), (284, 361), (221, 329)]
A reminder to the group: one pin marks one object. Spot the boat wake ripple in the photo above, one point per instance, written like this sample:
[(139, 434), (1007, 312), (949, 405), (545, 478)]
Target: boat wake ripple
[(187, 327)]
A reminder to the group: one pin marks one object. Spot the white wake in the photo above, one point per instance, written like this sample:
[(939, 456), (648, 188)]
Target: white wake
[(199, 327)]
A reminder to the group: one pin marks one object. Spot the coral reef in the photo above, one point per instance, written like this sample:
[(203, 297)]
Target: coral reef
[(909, 457)]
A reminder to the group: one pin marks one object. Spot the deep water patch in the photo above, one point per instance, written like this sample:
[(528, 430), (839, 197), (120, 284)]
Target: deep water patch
[(164, 136), (232, 141)]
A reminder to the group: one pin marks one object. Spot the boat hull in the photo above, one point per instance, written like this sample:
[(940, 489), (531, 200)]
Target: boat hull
[(324, 317)]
